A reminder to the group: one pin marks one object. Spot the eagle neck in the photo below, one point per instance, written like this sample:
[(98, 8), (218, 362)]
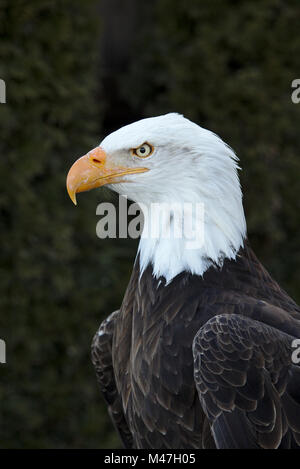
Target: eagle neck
[(191, 237)]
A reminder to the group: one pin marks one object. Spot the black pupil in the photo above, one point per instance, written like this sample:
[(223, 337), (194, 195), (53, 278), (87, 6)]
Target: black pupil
[(142, 149)]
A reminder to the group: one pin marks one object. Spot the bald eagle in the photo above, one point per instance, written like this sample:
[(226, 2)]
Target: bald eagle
[(200, 353)]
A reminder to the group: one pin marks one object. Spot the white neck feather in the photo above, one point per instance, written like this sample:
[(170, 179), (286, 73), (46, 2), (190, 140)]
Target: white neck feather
[(169, 256)]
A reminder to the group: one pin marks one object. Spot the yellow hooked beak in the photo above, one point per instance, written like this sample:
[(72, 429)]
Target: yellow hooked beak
[(93, 170)]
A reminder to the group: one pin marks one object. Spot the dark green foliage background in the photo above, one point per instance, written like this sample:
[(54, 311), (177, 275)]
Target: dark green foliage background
[(227, 65)]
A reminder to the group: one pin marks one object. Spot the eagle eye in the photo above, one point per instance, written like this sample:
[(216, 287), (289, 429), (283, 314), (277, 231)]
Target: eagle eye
[(143, 151)]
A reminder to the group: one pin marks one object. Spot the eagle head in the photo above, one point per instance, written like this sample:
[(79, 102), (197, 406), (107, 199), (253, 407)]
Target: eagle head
[(169, 159)]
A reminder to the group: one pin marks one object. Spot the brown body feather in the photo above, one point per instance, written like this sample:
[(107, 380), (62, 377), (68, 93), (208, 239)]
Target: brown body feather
[(202, 362)]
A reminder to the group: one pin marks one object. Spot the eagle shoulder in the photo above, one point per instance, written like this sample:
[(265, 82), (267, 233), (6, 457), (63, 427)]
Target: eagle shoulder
[(247, 383)]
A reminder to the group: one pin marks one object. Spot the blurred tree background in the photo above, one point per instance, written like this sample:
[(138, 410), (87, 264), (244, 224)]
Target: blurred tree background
[(74, 71)]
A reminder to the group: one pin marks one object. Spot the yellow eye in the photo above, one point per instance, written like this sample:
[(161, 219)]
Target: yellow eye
[(143, 151)]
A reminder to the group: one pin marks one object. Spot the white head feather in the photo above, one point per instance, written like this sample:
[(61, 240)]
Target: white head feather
[(189, 165)]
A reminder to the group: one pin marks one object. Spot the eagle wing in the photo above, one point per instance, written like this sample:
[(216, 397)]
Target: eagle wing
[(102, 361), (248, 384)]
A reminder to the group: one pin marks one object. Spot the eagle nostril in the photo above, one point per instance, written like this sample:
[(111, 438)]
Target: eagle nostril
[(95, 160)]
